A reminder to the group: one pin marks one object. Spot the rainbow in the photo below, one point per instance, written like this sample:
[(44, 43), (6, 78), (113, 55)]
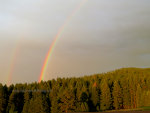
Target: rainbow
[(60, 31), (13, 62)]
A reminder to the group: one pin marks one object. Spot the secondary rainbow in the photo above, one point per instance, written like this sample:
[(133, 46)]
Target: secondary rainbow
[(60, 31), (13, 62)]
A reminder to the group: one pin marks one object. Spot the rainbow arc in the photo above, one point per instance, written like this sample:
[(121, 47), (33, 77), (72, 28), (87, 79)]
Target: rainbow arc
[(58, 35)]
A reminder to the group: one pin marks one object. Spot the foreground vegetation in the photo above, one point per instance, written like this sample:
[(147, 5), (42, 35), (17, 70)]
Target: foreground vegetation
[(145, 108), (127, 88)]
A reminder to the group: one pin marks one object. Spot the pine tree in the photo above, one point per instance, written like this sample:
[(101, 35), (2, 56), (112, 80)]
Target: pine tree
[(27, 97), (67, 101), (38, 104), (105, 102), (54, 99), (148, 98), (54, 107), (16, 102), (132, 89), (117, 96), (3, 98), (95, 96), (26, 107), (83, 97), (84, 107), (138, 95), (126, 95)]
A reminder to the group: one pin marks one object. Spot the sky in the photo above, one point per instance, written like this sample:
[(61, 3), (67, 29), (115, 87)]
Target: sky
[(101, 36)]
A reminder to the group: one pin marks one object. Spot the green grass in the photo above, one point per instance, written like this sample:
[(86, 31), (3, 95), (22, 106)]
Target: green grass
[(136, 109), (146, 108)]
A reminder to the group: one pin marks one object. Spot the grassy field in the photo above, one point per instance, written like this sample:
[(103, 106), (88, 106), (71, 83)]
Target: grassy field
[(145, 109), (119, 112)]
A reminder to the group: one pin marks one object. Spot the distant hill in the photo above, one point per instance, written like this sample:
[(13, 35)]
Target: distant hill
[(126, 88)]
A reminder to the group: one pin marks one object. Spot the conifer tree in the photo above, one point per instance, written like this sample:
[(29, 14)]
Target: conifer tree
[(38, 104), (16, 102), (95, 96), (105, 97), (138, 95), (67, 101), (84, 107), (54, 107), (132, 89), (83, 97), (117, 96), (3, 98), (126, 95), (27, 97), (54, 99)]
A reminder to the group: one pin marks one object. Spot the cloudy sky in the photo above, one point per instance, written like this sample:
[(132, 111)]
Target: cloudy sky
[(103, 35)]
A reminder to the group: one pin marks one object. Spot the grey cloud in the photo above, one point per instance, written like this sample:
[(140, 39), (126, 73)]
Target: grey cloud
[(103, 35)]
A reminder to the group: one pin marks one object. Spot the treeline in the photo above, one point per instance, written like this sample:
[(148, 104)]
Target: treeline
[(125, 88)]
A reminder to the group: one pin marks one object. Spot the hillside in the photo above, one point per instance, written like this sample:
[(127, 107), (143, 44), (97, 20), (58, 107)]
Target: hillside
[(126, 88)]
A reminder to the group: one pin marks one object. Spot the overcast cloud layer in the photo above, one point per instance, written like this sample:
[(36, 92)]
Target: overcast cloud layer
[(103, 35)]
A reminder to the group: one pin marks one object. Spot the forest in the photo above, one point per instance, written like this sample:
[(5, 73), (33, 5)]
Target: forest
[(126, 88)]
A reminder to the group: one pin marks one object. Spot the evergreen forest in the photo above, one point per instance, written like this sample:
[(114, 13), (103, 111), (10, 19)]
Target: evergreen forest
[(126, 88)]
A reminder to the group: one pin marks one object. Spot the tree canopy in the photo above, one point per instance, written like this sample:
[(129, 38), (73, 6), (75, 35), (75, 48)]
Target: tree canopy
[(125, 88)]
